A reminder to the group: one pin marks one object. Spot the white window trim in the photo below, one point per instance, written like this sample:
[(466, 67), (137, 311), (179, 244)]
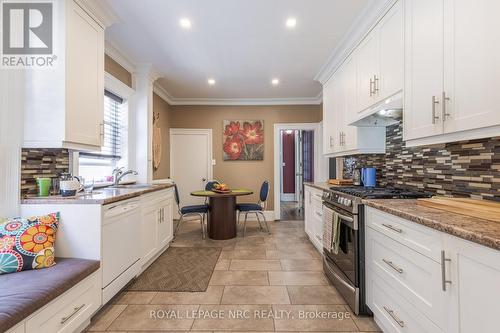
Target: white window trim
[(117, 87)]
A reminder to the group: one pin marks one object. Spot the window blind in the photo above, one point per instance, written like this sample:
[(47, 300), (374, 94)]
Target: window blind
[(113, 128)]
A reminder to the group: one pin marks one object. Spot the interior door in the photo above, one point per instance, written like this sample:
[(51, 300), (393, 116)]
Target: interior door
[(288, 166), (299, 169), (471, 65), (423, 68), (190, 162)]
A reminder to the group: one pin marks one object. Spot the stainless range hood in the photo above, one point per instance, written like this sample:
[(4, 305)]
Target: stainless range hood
[(385, 113)]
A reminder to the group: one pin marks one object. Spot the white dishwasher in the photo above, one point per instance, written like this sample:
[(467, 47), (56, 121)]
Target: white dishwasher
[(121, 248)]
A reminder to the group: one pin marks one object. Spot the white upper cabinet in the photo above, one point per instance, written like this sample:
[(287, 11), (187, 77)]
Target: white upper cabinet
[(329, 121), (367, 70), (452, 70), (84, 78), (339, 108), (423, 68), (390, 32), (379, 60), (65, 104), (471, 64)]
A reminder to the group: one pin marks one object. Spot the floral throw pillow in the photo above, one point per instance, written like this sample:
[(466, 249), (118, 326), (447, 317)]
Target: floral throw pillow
[(27, 243)]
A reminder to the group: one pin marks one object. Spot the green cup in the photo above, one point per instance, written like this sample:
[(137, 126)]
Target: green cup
[(43, 186)]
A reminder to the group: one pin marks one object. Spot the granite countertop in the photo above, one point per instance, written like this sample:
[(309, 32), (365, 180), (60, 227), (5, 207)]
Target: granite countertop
[(319, 185), (474, 229), (101, 196)]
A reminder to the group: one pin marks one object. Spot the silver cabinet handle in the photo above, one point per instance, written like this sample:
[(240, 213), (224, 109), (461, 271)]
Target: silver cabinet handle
[(319, 238), (393, 228), (75, 311), (331, 141), (443, 271), (319, 214), (393, 316), (394, 267), (445, 99), (371, 87), (375, 84), (434, 117)]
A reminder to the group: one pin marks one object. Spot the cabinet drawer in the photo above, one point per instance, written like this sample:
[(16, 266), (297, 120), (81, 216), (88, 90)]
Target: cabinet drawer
[(392, 312), (411, 274), (419, 238), (70, 310)]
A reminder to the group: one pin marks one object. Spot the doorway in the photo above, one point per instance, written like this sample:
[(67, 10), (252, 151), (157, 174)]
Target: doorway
[(297, 167), (190, 161)]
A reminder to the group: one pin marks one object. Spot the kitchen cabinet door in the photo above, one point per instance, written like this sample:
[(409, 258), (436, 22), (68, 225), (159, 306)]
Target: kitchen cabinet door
[(84, 78), (149, 232), (165, 224), (329, 121), (474, 272), (350, 133), (471, 64), (308, 227), (390, 31), (367, 70), (423, 68)]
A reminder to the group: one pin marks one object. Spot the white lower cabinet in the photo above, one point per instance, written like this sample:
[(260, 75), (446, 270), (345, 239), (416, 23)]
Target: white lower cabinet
[(313, 216), (70, 311), (157, 223), (410, 289)]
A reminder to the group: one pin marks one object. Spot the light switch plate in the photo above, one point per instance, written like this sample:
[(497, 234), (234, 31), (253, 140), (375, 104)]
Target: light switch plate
[(213, 162)]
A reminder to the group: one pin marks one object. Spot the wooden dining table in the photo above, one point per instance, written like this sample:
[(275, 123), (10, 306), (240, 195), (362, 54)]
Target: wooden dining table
[(222, 212)]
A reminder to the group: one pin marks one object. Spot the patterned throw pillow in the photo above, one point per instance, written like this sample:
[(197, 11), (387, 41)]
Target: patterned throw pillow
[(27, 243)]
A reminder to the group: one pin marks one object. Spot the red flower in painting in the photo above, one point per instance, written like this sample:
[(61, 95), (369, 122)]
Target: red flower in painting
[(232, 129), (233, 147), (253, 133)]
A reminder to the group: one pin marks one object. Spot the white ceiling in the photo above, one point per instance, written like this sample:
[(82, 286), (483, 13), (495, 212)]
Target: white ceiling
[(242, 44)]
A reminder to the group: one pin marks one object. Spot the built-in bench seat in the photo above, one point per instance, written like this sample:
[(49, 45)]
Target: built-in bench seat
[(47, 297)]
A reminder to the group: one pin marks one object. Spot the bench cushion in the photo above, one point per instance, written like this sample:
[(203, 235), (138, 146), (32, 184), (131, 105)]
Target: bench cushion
[(23, 293)]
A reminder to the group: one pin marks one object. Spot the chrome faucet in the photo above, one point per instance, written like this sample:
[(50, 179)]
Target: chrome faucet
[(118, 174)]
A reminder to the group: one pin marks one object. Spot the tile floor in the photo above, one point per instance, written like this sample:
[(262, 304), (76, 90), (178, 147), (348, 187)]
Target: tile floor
[(261, 283)]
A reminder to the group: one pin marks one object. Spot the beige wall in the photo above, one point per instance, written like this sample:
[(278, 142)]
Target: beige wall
[(247, 174), (163, 109), (115, 69)]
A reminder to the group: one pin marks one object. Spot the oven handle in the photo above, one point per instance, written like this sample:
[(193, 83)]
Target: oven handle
[(341, 280), (352, 221)]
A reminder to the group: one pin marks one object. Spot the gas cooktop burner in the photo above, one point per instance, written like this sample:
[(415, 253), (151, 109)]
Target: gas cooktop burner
[(380, 192)]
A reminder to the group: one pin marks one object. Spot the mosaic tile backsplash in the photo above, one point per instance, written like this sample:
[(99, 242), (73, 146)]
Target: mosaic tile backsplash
[(41, 163), (458, 169)]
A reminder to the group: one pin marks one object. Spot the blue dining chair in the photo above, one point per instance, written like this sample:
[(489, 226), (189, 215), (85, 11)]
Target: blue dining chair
[(196, 210), (255, 208)]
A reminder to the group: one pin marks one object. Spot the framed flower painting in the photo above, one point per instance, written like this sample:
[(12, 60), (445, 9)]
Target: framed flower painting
[(243, 140)]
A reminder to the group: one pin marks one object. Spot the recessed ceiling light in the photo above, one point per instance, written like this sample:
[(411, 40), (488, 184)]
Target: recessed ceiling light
[(185, 23), (275, 82), (211, 82), (291, 22)]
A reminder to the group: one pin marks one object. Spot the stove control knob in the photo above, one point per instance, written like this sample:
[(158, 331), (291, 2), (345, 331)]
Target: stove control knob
[(348, 202)]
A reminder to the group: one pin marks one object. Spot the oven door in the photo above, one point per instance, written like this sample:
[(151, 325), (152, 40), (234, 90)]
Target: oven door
[(342, 268)]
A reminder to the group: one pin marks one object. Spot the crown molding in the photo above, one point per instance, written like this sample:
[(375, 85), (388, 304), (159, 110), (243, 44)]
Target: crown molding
[(100, 11), (248, 101), (160, 91), (361, 26), (117, 55)]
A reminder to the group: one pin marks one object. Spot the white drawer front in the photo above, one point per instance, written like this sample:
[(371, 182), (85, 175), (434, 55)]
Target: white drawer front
[(394, 313), (411, 274), (70, 310), (419, 238)]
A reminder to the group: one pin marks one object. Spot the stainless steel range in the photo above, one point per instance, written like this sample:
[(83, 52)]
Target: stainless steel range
[(344, 265)]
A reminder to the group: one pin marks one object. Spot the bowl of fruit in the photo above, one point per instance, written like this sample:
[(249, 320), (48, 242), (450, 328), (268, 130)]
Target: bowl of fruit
[(221, 188)]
